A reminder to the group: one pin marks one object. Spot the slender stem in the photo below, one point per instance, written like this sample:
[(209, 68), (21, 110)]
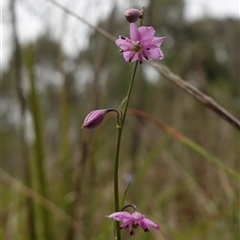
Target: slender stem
[(116, 193), (38, 146), (118, 144), (129, 94)]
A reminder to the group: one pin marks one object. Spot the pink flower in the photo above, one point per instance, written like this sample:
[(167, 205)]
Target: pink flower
[(142, 45), (132, 221)]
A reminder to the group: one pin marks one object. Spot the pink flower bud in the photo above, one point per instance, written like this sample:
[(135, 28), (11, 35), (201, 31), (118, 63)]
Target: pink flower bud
[(94, 118), (132, 15)]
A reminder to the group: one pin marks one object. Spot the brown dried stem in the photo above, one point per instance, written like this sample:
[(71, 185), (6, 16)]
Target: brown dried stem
[(200, 96)]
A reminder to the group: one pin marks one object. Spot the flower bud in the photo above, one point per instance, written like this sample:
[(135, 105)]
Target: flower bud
[(132, 15), (94, 118)]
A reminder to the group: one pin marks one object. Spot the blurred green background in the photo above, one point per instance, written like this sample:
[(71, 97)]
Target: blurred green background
[(46, 94)]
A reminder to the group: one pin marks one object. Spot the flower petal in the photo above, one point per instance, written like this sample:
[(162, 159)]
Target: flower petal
[(126, 223), (120, 216), (134, 34), (129, 56), (153, 53), (124, 44), (146, 33), (137, 215), (157, 41), (148, 223), (131, 230), (135, 56), (143, 225)]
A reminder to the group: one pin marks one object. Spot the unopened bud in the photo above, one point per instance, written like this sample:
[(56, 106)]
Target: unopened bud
[(132, 15), (94, 118)]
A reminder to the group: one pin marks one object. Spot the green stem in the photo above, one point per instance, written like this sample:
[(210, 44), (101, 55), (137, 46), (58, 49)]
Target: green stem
[(118, 144), (38, 146), (129, 93)]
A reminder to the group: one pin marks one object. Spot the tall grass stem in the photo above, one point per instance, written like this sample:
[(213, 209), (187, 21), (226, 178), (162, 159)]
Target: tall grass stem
[(38, 148)]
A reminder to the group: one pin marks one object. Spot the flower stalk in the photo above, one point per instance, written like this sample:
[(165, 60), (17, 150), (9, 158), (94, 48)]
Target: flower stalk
[(118, 144)]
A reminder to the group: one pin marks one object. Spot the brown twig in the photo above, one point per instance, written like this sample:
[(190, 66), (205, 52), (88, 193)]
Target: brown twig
[(200, 96)]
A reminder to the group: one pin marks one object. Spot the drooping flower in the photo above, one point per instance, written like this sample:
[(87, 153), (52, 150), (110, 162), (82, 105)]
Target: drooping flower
[(132, 15), (133, 220), (141, 45)]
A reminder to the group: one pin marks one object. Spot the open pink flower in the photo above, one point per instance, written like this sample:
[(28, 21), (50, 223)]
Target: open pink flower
[(132, 221), (142, 45)]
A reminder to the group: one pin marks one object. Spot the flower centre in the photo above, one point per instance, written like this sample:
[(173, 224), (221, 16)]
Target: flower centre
[(135, 225), (136, 46)]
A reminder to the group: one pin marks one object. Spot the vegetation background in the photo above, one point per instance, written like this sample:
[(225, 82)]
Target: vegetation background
[(57, 179)]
